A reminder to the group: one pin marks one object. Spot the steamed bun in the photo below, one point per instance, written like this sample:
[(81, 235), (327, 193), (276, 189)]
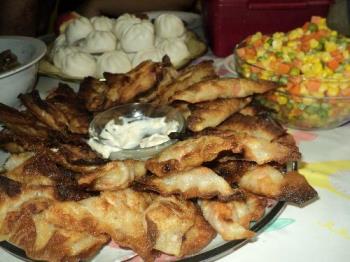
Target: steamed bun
[(176, 49), (123, 23), (78, 29), (102, 23), (113, 62), (138, 37), (60, 41), (169, 26), (153, 54), (79, 65), (98, 42), (61, 53)]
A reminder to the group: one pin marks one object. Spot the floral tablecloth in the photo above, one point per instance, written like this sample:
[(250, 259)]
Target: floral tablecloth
[(319, 231)]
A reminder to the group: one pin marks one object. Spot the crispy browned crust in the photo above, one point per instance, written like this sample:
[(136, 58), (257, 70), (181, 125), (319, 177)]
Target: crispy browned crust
[(231, 170), (64, 99), (22, 124), (114, 175), (169, 219), (232, 219), (190, 153), (223, 88), (253, 126), (296, 189), (212, 113), (9, 186), (45, 112), (188, 184), (93, 94), (198, 236), (187, 77), (142, 78)]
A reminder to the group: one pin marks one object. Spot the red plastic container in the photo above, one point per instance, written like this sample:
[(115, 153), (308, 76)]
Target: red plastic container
[(228, 22)]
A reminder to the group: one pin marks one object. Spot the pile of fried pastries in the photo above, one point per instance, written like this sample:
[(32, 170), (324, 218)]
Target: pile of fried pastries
[(61, 201)]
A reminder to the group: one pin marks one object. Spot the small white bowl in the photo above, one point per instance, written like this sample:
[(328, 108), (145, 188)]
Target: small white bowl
[(21, 78)]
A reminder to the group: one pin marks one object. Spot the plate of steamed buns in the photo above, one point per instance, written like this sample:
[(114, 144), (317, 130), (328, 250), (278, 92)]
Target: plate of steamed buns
[(90, 47)]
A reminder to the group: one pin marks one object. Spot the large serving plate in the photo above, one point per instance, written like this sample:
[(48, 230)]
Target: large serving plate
[(216, 249)]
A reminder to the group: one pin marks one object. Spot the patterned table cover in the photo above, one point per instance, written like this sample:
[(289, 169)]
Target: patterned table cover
[(319, 231)]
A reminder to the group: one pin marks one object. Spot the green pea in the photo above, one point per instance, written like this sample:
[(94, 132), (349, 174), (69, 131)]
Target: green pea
[(294, 71), (312, 27)]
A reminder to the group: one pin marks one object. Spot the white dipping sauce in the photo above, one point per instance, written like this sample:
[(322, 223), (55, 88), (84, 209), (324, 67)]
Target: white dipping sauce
[(132, 133)]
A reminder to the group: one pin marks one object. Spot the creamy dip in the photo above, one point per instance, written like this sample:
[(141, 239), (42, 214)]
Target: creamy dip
[(132, 133)]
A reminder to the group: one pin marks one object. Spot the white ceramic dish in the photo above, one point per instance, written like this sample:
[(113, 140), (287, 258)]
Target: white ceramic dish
[(22, 78)]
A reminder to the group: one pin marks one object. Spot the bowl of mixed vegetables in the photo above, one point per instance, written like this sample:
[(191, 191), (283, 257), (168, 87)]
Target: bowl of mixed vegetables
[(312, 65)]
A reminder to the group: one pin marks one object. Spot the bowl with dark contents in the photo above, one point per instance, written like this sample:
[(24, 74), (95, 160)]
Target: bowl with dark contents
[(19, 58)]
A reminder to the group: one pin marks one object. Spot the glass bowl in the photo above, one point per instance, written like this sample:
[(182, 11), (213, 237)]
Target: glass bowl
[(307, 112), (136, 111)]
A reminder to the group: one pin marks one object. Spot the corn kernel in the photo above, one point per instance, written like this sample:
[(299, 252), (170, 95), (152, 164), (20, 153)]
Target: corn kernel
[(330, 46), (333, 90), (314, 43), (282, 100)]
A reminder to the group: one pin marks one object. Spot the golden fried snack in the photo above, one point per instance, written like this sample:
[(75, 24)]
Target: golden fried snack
[(260, 150), (65, 100), (23, 224), (114, 175), (46, 113), (169, 76), (231, 219), (198, 236), (187, 77), (199, 182), (120, 214), (190, 153), (212, 113), (169, 219), (93, 93), (223, 88), (22, 124), (126, 87), (253, 126), (270, 182)]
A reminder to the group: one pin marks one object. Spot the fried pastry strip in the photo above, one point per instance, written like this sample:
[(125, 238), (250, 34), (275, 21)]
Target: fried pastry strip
[(44, 111), (231, 219), (200, 182), (169, 219), (93, 94), (198, 236), (270, 182), (190, 153), (223, 88), (253, 126), (212, 113), (187, 77), (23, 224), (65, 100), (22, 124), (114, 175), (120, 214), (126, 87)]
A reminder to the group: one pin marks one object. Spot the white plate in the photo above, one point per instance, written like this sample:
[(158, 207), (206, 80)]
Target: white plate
[(216, 249)]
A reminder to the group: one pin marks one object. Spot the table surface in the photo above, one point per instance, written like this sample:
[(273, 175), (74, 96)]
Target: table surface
[(319, 231)]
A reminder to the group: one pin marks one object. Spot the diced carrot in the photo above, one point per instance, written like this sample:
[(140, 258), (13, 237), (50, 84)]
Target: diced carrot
[(295, 89), (241, 51), (316, 19), (345, 92), (250, 52), (337, 55), (283, 68), (333, 64), (258, 43), (313, 85), (306, 26)]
